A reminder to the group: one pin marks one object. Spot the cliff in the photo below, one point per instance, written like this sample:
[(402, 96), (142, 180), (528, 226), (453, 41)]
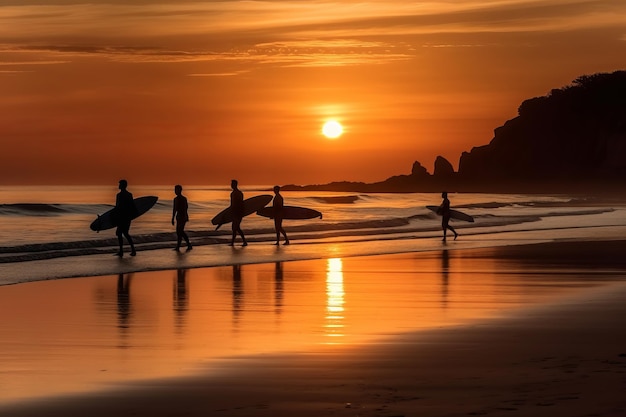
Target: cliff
[(576, 134)]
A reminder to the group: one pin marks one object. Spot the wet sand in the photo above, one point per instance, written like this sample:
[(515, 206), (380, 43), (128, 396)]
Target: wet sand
[(538, 330)]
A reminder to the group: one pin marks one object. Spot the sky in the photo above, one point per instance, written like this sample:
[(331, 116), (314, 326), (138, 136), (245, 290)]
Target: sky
[(199, 92)]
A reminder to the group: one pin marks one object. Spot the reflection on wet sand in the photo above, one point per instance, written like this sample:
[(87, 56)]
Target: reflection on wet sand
[(237, 295), (123, 308), (278, 288), (445, 268), (79, 333), (335, 298), (181, 300)]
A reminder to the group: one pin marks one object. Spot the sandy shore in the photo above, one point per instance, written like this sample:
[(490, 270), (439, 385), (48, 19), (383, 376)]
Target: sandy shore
[(563, 359)]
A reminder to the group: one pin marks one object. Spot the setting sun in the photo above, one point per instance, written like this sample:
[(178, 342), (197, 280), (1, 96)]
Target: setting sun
[(332, 129)]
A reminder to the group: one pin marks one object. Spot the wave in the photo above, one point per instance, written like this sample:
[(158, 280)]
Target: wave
[(573, 202), (489, 205), (418, 223), (347, 199), (33, 209), (40, 251), (42, 209)]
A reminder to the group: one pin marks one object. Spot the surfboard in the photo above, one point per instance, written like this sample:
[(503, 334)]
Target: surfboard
[(250, 205), (108, 221), (291, 212), (454, 214)]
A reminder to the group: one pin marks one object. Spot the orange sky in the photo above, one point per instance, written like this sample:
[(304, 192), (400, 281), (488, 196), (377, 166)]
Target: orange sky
[(199, 92)]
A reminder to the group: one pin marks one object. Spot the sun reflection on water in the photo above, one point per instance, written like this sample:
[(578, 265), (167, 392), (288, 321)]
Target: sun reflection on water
[(334, 299)]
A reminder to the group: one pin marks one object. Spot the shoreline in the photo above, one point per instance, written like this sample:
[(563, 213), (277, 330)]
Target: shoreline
[(266, 252)]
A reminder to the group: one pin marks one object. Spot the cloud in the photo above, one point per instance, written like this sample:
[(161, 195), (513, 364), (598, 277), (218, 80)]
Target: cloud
[(385, 18), (293, 53), (287, 33), (287, 19), (218, 74)]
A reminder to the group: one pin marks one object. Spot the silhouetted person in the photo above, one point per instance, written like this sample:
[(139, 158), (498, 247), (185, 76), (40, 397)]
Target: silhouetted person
[(125, 212), (236, 205), (444, 210), (279, 204), (180, 214)]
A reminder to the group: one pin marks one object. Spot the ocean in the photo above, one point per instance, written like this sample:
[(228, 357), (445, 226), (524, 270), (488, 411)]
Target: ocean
[(39, 223)]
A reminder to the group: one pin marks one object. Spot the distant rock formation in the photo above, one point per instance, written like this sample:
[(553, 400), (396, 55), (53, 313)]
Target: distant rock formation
[(573, 139), (443, 168), (418, 170)]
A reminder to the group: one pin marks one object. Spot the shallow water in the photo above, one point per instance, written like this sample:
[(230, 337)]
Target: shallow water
[(74, 335), (48, 215), (53, 222)]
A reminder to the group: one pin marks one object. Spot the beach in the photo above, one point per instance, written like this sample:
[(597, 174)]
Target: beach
[(312, 208), (518, 329), (366, 313)]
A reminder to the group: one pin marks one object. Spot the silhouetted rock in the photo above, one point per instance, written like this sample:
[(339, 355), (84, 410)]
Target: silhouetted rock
[(418, 170), (443, 168)]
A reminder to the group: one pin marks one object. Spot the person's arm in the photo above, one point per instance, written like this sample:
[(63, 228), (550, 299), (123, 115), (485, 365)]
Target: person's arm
[(173, 211), (133, 206), (185, 209)]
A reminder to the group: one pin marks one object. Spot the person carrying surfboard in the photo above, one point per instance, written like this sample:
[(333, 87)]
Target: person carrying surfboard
[(236, 204), (278, 203), (125, 212), (180, 217), (444, 210)]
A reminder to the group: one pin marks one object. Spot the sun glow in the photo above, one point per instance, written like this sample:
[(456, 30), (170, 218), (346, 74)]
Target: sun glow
[(332, 129)]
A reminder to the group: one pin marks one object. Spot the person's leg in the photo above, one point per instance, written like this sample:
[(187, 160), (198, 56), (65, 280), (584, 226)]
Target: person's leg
[(187, 240), (130, 242), (243, 237), (179, 236), (277, 227), (120, 241), (237, 231), (280, 228), (183, 234), (453, 231), (234, 236)]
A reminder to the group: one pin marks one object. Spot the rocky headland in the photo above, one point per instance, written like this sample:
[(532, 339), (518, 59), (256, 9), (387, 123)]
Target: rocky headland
[(573, 139)]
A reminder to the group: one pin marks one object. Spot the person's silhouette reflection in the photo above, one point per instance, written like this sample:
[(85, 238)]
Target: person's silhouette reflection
[(123, 301), (445, 268), (181, 298), (278, 287), (237, 292)]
